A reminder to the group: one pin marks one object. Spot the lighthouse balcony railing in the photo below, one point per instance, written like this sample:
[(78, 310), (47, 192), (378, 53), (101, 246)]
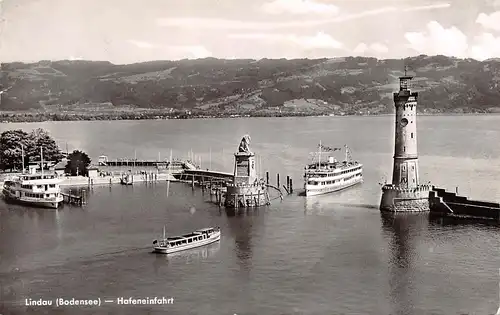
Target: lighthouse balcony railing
[(256, 183), (424, 187)]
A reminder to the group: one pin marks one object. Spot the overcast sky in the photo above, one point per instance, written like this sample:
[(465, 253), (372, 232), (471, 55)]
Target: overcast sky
[(127, 31)]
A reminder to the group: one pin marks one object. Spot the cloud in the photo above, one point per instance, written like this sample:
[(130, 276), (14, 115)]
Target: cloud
[(491, 21), (74, 58), (318, 41), (493, 3), (143, 45), (438, 41), (487, 46), (375, 49), (428, 7), (452, 42), (226, 24), (299, 7), (189, 51)]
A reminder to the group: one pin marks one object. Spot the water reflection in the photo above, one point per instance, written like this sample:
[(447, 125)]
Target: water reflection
[(241, 225), (404, 232), (312, 205), (27, 229), (323, 204), (187, 257), (449, 221)]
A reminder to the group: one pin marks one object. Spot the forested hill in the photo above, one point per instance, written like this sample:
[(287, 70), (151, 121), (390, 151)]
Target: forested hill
[(349, 85)]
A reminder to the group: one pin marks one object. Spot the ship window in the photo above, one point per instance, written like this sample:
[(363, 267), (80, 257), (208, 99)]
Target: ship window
[(52, 185), (190, 240)]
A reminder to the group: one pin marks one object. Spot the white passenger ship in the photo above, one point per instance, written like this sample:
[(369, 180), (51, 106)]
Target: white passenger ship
[(39, 190), (322, 177), (168, 245)]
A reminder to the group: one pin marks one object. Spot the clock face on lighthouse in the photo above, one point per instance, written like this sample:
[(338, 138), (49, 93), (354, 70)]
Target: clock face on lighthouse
[(404, 122)]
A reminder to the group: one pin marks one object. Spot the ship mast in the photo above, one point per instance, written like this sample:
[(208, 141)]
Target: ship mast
[(22, 155), (41, 160), (319, 155)]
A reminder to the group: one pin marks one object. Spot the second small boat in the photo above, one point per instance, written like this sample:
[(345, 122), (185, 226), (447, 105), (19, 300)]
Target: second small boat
[(168, 245)]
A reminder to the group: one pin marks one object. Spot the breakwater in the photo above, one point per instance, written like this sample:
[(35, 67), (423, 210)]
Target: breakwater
[(450, 204)]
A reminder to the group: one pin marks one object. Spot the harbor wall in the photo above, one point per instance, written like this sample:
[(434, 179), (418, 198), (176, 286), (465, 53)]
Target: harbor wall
[(450, 204), (395, 199)]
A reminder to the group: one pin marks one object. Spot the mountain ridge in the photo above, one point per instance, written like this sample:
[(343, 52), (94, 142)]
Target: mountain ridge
[(343, 85)]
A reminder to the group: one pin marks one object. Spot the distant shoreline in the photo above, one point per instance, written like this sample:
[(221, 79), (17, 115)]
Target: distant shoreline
[(36, 117)]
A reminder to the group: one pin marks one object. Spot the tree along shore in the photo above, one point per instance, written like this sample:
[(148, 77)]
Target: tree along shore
[(13, 117)]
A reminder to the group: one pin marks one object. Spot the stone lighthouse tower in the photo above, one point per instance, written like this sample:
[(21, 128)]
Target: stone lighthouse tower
[(405, 193)]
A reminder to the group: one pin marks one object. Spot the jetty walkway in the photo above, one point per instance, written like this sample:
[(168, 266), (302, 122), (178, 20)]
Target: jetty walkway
[(198, 175)]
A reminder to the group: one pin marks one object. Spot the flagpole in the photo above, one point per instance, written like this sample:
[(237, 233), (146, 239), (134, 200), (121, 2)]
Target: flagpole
[(22, 154), (498, 311), (41, 160), (319, 155), (261, 169)]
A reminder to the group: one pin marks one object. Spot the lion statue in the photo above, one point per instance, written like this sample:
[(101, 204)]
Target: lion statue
[(244, 144)]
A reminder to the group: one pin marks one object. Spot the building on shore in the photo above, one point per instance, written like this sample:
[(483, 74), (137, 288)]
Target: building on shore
[(405, 193), (246, 189)]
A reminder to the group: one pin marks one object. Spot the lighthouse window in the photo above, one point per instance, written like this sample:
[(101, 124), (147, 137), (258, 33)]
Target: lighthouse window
[(412, 135), (404, 149)]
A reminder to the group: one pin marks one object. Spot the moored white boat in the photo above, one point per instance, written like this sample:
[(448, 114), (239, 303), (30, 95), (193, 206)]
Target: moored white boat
[(322, 177), (168, 245), (37, 190)]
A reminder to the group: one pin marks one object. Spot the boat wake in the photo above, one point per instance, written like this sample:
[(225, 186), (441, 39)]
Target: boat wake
[(356, 205), (123, 251)]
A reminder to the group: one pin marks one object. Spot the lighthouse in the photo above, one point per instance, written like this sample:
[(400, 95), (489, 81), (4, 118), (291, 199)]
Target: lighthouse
[(405, 193), (247, 190)]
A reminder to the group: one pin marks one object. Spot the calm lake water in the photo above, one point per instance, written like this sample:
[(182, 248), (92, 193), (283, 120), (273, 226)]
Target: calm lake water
[(332, 254)]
